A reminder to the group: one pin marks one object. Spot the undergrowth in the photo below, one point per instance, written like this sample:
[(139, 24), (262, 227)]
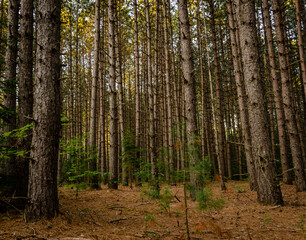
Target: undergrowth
[(207, 202)]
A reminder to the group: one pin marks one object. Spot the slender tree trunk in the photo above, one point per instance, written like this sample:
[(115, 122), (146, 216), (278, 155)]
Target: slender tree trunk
[(268, 191), (219, 109), (25, 93), (120, 92), (154, 89), (168, 87), (9, 101), (199, 39), (42, 193), (113, 131), (300, 43), (295, 144), (244, 114), (277, 92), (93, 99), (137, 81), (190, 94)]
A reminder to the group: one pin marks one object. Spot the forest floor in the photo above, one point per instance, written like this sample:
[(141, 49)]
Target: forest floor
[(128, 214)]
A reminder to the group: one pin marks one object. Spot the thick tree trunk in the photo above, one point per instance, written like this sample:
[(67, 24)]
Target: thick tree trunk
[(113, 126), (268, 190), (42, 192), (295, 144)]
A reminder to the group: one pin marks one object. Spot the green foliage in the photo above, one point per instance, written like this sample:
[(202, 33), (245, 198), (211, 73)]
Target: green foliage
[(130, 160), (205, 200), (149, 217), (301, 224), (266, 220), (18, 134), (239, 189), (165, 200), (75, 172), (151, 193)]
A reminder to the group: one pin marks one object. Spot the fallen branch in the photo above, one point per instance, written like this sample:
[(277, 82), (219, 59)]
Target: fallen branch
[(117, 220)]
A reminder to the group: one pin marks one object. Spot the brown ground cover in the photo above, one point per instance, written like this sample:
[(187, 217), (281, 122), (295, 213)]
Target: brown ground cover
[(128, 214)]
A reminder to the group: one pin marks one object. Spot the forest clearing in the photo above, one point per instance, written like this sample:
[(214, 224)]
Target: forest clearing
[(129, 214)]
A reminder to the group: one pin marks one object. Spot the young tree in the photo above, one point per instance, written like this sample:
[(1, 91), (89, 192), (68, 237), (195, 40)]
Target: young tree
[(42, 192), (268, 190)]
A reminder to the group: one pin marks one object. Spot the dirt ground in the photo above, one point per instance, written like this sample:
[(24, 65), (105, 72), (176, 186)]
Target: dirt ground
[(128, 214)]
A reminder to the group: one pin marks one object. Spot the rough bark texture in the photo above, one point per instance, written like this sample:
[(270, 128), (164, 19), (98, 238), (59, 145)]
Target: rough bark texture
[(277, 92), (300, 179), (189, 91), (25, 93), (42, 192), (268, 190), (113, 126)]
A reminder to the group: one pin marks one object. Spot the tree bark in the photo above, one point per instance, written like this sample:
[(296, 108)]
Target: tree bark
[(268, 190), (219, 108), (42, 192), (244, 114), (93, 100), (277, 92), (295, 144), (113, 126), (190, 94), (25, 92)]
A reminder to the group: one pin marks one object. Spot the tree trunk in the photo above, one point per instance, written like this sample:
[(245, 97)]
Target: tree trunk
[(277, 92), (190, 94), (300, 43), (244, 114), (9, 101), (113, 126), (25, 92), (42, 192), (295, 144), (93, 100), (168, 98), (219, 108), (268, 190)]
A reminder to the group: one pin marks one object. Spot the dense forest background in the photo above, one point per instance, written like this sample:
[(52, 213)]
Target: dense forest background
[(143, 91)]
